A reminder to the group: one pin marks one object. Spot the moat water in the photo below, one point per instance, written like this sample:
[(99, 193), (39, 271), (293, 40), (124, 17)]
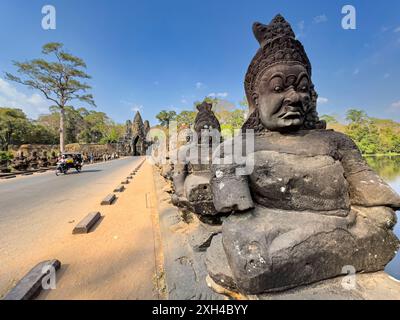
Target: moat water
[(389, 169)]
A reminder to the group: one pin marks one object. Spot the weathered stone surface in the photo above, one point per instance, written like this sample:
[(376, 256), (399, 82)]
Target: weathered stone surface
[(382, 217), (31, 284), (230, 191), (369, 286), (363, 190), (292, 182), (87, 223), (120, 188), (185, 270), (307, 204), (270, 250), (191, 163), (167, 170), (108, 200), (134, 141), (200, 238), (217, 264)]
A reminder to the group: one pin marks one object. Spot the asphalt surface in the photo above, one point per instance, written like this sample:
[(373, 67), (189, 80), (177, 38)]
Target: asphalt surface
[(40, 209)]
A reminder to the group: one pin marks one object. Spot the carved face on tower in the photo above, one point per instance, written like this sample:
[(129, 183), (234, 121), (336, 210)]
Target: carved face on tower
[(278, 83)]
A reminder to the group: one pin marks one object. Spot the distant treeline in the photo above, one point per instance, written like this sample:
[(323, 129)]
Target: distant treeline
[(372, 135), (81, 126)]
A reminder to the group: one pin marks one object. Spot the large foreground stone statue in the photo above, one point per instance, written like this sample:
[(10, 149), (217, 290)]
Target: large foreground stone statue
[(311, 207)]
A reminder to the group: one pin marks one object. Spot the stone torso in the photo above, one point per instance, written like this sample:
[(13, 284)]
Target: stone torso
[(300, 171)]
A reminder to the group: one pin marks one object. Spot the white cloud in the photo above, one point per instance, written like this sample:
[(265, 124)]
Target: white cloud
[(320, 19), (301, 26), (395, 105), (33, 105), (137, 108), (322, 100), (199, 85), (218, 95)]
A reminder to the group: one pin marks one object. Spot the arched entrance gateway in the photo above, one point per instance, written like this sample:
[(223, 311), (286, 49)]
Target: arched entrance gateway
[(134, 142)]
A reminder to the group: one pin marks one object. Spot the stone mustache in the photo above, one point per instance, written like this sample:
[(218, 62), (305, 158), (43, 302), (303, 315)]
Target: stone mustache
[(311, 206)]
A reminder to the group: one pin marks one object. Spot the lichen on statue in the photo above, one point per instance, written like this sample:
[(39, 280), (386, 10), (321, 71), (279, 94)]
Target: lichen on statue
[(311, 205)]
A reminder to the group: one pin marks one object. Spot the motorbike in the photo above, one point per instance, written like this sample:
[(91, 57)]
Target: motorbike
[(73, 161)]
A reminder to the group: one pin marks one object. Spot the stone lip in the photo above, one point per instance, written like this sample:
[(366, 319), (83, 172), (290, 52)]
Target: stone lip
[(31, 284), (87, 223)]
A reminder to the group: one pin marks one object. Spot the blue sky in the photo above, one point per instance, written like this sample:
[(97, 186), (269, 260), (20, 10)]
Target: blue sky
[(154, 55)]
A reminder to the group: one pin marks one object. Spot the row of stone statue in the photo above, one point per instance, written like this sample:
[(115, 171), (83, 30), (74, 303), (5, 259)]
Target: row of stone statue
[(35, 161), (304, 204)]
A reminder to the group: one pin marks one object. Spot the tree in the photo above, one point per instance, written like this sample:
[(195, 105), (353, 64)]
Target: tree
[(329, 118), (186, 118), (13, 127), (165, 117), (356, 116), (59, 81)]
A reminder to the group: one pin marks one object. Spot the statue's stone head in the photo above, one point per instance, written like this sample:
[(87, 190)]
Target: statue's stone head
[(278, 83), (205, 118)]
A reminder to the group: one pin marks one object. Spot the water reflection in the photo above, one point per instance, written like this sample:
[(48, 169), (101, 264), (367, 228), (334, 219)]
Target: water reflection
[(389, 169)]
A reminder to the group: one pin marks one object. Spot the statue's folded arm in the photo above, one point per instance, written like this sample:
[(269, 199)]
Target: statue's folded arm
[(366, 188), (231, 191)]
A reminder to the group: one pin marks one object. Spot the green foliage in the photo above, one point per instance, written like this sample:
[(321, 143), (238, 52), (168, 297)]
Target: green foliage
[(356, 116), (6, 156), (60, 77), (329, 118), (58, 80), (81, 125), (185, 119), (373, 136), (165, 117), (13, 127)]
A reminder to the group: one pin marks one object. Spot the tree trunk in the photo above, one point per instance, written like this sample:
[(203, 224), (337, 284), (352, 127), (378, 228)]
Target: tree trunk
[(62, 116)]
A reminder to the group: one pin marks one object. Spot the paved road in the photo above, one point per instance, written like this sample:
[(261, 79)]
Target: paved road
[(39, 210)]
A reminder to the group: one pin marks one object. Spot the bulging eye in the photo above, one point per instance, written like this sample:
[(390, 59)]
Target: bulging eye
[(303, 88), (278, 89)]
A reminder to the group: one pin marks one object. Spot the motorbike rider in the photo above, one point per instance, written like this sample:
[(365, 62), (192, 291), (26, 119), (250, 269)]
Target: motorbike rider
[(62, 161)]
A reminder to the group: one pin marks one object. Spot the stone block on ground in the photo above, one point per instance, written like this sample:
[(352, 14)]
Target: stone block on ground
[(120, 188), (9, 177), (87, 223), (108, 200), (31, 284)]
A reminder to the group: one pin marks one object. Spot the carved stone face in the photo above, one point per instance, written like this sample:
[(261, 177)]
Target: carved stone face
[(284, 96)]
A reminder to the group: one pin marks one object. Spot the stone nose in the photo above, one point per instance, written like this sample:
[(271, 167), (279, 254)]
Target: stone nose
[(292, 97)]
